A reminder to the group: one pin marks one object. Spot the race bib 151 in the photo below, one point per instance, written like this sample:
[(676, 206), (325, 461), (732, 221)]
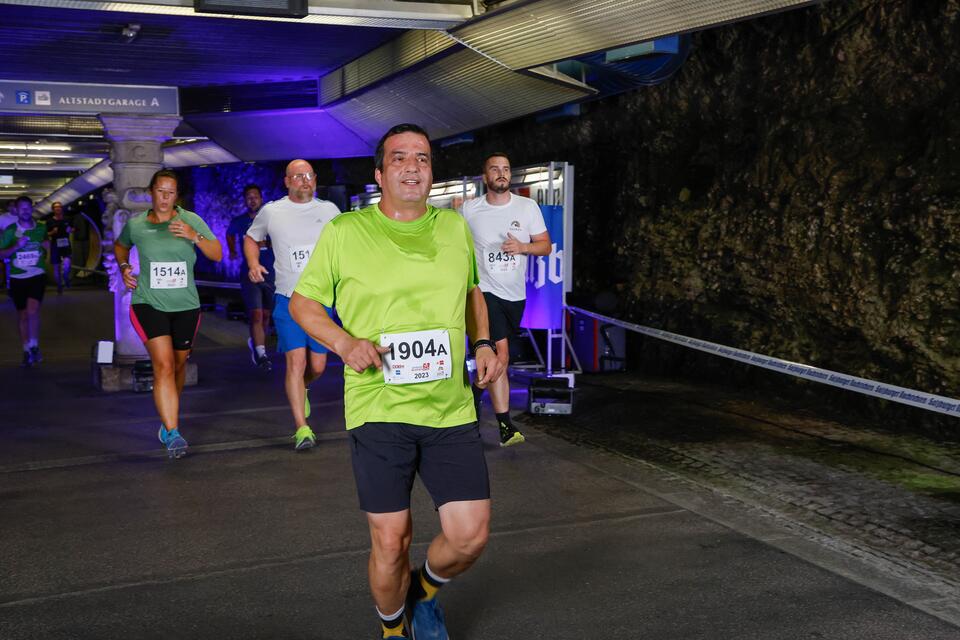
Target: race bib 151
[(299, 256)]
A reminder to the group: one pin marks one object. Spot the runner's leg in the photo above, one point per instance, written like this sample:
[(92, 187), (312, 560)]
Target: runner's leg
[(166, 388)]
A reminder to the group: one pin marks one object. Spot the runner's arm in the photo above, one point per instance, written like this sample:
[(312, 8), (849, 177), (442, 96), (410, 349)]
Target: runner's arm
[(232, 245), (9, 251), (210, 247), (122, 254), (251, 251), (539, 245), (358, 354), (489, 367)]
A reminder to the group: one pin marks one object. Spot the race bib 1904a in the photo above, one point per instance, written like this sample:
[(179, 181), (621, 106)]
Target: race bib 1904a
[(416, 356)]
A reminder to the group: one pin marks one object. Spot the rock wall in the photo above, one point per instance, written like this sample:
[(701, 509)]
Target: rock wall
[(793, 190)]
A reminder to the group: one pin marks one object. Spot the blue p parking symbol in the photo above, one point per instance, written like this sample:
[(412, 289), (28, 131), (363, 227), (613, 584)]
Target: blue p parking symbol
[(23, 97)]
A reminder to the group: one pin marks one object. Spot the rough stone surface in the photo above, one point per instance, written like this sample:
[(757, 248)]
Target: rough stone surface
[(892, 500)]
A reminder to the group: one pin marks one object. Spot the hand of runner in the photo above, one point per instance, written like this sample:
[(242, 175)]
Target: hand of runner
[(360, 355), (257, 272), (512, 246), (129, 280), (489, 367), (181, 229)]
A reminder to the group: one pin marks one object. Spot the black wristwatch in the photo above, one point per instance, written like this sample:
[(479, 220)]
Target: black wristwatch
[(484, 343)]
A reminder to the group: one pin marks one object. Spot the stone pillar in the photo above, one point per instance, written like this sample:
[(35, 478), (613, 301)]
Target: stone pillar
[(136, 153)]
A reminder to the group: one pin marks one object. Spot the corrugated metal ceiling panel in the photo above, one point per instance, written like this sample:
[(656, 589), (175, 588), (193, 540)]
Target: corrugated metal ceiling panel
[(456, 93), (283, 134), (530, 34), (386, 60)]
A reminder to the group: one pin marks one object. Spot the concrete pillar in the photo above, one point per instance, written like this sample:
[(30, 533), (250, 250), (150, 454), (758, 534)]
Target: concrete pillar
[(136, 153)]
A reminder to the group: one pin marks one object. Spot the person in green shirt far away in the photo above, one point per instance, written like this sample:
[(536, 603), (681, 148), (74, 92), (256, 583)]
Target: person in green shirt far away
[(25, 243)]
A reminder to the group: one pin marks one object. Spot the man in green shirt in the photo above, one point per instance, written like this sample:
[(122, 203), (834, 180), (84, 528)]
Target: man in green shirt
[(25, 243), (403, 278)]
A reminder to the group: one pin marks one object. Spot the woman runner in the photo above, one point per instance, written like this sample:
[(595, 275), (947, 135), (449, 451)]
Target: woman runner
[(165, 307)]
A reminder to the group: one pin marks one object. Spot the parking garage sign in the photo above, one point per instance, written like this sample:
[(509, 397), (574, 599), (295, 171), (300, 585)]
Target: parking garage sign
[(17, 97)]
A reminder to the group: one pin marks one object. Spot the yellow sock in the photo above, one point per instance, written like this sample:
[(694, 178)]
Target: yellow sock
[(393, 627), (430, 590)]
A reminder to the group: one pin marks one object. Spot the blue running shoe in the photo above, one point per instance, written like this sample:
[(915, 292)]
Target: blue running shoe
[(173, 441), (426, 617)]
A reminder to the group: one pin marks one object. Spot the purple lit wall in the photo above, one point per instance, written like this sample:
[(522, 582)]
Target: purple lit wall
[(216, 195)]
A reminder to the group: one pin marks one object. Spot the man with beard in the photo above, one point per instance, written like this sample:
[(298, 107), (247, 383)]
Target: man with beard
[(257, 296), (506, 229)]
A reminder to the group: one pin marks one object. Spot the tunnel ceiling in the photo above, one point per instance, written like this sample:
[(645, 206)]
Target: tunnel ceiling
[(326, 85)]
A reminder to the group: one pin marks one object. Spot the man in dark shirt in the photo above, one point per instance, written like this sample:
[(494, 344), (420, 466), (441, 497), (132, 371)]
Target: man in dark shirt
[(58, 232), (257, 296)]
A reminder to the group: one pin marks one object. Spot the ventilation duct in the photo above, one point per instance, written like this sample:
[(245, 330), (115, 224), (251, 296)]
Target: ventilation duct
[(529, 34)]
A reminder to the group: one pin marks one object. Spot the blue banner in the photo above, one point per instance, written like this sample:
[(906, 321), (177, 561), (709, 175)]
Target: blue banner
[(544, 308)]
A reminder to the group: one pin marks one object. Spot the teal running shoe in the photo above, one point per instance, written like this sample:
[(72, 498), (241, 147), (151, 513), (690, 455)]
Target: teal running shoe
[(173, 441)]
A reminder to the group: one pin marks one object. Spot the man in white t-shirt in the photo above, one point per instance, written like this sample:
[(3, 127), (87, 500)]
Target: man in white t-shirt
[(7, 219), (506, 229), (294, 224)]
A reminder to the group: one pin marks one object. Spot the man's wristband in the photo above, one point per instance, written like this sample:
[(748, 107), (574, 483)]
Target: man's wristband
[(484, 343), (125, 265)]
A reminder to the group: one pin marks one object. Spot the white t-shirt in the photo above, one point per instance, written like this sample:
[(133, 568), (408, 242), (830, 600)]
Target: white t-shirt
[(502, 275), (294, 229)]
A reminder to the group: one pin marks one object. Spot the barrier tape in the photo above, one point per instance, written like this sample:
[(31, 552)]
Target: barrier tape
[(919, 399)]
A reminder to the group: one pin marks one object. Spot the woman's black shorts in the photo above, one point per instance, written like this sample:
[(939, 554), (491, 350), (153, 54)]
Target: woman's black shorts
[(181, 326)]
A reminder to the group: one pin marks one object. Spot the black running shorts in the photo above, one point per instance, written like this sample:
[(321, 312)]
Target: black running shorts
[(181, 326), (22, 289), (388, 455), (257, 295), (504, 315)]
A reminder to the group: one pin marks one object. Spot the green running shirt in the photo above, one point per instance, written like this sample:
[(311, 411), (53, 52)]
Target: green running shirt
[(157, 247), (385, 276), (30, 259)]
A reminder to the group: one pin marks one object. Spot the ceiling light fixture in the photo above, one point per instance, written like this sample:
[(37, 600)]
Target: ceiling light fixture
[(130, 32), (8, 146)]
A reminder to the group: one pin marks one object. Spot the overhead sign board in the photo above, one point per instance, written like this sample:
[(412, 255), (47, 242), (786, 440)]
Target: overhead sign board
[(280, 8), (23, 96)]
